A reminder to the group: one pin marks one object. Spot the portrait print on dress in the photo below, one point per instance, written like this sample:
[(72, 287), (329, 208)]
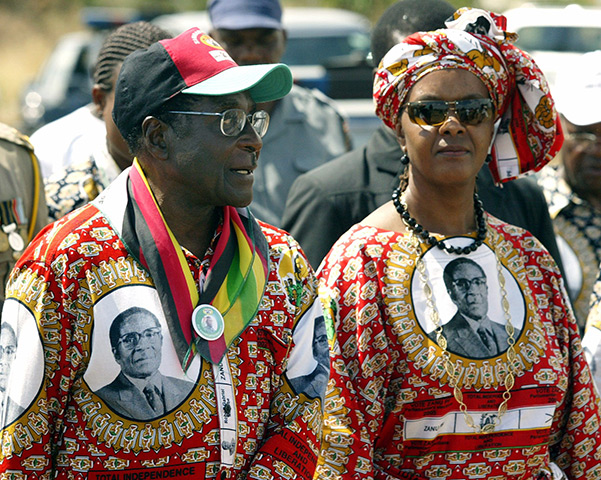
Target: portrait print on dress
[(468, 296), (18, 339), (144, 380), (312, 376)]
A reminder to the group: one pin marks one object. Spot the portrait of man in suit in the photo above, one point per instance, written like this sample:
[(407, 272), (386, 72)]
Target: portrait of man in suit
[(314, 382), (470, 332), (9, 408), (140, 391)]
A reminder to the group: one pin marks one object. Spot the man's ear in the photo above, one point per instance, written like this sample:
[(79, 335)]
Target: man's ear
[(153, 133), (99, 99)]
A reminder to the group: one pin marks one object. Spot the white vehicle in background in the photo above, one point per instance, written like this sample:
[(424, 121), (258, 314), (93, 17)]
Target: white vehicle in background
[(327, 48), (555, 35)]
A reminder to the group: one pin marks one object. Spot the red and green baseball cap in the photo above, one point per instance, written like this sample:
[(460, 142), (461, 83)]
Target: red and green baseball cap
[(191, 63)]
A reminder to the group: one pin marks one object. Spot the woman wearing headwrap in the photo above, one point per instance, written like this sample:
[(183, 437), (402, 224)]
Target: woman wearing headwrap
[(454, 350)]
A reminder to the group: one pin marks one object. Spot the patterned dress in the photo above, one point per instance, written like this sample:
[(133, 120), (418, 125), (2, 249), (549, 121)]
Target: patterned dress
[(391, 412), (81, 416)]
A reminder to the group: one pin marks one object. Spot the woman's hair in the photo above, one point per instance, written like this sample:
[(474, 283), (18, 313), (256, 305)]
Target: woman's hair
[(119, 44)]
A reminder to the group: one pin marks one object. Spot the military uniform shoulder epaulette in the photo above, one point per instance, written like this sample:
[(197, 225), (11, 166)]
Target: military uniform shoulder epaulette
[(13, 135)]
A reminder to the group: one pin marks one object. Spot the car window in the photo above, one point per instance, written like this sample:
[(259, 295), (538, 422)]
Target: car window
[(560, 38), (312, 50)]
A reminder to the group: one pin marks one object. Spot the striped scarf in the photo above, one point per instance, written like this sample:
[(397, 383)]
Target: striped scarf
[(235, 280)]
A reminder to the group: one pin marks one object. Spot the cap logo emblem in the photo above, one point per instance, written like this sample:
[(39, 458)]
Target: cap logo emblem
[(198, 37), (220, 55)]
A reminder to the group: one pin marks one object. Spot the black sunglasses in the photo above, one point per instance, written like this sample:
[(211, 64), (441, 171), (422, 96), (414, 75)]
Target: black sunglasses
[(435, 112)]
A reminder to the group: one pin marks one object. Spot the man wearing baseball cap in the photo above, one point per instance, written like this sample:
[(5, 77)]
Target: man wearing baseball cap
[(573, 185), (307, 130), (234, 298)]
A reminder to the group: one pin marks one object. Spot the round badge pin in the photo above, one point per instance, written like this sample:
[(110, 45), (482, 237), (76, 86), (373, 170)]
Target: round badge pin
[(16, 241), (207, 322)]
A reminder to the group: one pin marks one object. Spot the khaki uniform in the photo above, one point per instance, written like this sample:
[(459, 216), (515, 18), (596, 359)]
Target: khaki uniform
[(23, 211)]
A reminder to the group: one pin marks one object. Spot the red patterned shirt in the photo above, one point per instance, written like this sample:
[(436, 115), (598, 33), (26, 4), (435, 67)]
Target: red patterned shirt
[(390, 411), (74, 402)]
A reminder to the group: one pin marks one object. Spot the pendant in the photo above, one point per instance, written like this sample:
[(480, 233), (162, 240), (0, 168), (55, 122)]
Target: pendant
[(207, 322), (15, 240)]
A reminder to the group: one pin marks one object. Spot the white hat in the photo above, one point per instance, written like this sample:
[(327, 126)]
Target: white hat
[(577, 91)]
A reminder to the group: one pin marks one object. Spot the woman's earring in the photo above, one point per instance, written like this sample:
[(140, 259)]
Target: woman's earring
[(404, 176)]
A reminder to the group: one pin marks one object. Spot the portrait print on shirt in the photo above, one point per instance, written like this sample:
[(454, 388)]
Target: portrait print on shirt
[(469, 300), (19, 340), (134, 369), (311, 375)]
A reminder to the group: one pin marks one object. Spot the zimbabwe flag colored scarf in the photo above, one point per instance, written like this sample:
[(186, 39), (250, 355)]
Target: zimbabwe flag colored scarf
[(234, 284)]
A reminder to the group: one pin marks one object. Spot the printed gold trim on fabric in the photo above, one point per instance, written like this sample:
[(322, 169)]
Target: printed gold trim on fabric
[(587, 260), (426, 355)]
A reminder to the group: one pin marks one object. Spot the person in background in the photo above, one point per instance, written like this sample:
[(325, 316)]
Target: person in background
[(70, 138), (23, 211), (573, 184), (399, 404), (306, 129), (235, 298), (326, 202), (90, 160)]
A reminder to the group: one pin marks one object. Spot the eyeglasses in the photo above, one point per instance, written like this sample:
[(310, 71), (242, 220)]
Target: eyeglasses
[(131, 340), (464, 284), (9, 350), (582, 140), (233, 120), (435, 112)]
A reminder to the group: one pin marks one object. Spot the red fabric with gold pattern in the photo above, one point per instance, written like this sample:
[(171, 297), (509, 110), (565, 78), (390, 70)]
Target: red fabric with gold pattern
[(58, 411), (390, 412)]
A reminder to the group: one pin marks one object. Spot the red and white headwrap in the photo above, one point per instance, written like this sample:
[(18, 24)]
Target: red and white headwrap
[(528, 133)]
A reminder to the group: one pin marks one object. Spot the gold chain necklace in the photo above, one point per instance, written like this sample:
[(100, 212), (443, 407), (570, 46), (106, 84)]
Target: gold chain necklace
[(452, 373)]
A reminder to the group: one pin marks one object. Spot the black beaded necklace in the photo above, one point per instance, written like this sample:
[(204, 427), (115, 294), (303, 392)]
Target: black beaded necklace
[(421, 232)]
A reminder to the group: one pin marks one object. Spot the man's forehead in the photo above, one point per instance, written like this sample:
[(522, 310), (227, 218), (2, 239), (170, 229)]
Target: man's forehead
[(473, 269), (137, 320), (248, 33), (235, 100), (7, 335)]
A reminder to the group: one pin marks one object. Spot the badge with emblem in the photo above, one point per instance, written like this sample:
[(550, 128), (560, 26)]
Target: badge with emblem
[(207, 322), (15, 240)]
